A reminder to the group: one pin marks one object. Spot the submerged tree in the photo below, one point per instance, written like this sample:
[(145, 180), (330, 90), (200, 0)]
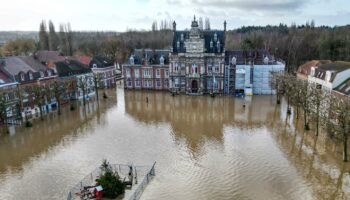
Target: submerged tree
[(40, 93), (84, 84), (340, 121), (3, 111), (319, 102), (58, 89)]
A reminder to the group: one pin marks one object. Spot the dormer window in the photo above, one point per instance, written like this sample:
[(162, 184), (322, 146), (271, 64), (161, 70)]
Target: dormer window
[(178, 44), (266, 60), (94, 65), (218, 46), (132, 61), (30, 76), (161, 60), (22, 77), (49, 73), (215, 37), (234, 60), (42, 74)]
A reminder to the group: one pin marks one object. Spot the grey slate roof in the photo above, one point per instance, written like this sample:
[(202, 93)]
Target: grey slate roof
[(101, 62), (243, 57), (152, 57), (207, 35), (14, 65)]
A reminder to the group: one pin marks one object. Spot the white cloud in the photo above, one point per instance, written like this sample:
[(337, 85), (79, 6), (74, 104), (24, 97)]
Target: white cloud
[(139, 14)]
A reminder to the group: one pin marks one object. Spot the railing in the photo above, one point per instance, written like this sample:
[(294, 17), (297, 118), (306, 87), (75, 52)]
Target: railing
[(141, 187)]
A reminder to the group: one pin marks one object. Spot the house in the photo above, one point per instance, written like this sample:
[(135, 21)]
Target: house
[(79, 74), (197, 59), (305, 69), (147, 69), (250, 72), (104, 70), (28, 72), (9, 90), (331, 75)]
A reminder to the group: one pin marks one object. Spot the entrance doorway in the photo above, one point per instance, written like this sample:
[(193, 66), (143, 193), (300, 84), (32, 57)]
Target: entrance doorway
[(194, 86)]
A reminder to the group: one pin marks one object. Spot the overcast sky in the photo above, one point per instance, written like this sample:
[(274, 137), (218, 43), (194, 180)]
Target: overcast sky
[(118, 15)]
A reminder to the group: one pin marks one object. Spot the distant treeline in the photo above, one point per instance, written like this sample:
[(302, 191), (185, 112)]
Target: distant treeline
[(294, 44)]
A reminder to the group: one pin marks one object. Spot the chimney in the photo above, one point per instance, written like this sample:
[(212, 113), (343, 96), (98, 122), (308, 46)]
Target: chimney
[(174, 26)]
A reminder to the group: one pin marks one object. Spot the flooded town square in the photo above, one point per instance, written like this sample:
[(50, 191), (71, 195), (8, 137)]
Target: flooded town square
[(205, 148)]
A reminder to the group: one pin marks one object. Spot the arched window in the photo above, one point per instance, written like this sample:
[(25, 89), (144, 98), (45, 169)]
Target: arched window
[(234, 60), (161, 60), (266, 60), (215, 37), (218, 46)]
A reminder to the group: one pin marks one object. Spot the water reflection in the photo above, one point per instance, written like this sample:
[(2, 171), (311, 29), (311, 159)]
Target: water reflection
[(25, 143), (205, 148)]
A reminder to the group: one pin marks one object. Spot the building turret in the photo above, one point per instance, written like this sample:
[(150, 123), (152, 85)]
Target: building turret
[(225, 25), (174, 26)]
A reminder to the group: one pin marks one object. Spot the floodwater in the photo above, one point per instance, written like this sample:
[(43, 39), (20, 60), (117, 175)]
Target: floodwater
[(205, 148)]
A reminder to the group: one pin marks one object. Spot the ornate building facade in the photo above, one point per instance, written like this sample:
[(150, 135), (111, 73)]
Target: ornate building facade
[(197, 60), (198, 64)]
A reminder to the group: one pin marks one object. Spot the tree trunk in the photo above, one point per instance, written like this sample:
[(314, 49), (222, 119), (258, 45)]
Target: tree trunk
[(84, 103), (345, 147), (317, 119), (306, 125), (41, 111), (58, 105)]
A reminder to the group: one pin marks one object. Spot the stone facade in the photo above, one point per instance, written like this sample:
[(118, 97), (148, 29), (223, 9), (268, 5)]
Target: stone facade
[(197, 61)]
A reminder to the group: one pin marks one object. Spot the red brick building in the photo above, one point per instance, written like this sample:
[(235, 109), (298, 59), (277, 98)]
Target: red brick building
[(147, 69)]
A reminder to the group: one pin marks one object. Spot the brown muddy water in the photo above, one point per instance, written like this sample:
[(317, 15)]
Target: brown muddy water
[(205, 148)]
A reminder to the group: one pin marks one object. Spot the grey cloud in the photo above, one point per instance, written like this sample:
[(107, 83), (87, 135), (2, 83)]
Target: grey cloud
[(258, 5)]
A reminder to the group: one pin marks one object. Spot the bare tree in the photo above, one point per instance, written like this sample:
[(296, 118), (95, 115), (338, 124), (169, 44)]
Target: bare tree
[(340, 121)]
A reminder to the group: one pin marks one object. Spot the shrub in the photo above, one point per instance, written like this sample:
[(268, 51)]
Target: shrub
[(110, 181)]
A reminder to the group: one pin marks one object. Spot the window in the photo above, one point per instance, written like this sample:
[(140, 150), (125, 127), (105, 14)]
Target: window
[(127, 72), (94, 65), (166, 73), (129, 83), (41, 74), (176, 67), (161, 60), (30, 76), (215, 37), (137, 73), (49, 73), (217, 68), (194, 68), (158, 82), (211, 44), (218, 46), (234, 60), (182, 37), (158, 72), (137, 83), (146, 73), (132, 61), (178, 44)]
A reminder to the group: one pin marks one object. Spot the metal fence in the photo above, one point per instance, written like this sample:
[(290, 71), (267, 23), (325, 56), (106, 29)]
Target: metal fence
[(141, 187), (147, 172)]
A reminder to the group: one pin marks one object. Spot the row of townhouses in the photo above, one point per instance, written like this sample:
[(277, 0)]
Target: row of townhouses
[(197, 63), (332, 76), (20, 73)]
